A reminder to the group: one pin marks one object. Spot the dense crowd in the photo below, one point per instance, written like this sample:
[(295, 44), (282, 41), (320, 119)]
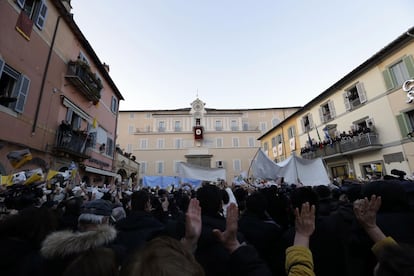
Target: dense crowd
[(214, 230), (336, 138)]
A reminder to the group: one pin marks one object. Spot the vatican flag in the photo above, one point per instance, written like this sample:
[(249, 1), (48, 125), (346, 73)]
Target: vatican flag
[(94, 123), (51, 174), (19, 157)]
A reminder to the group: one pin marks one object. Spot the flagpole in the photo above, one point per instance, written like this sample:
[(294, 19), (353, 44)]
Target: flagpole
[(251, 163), (317, 132)]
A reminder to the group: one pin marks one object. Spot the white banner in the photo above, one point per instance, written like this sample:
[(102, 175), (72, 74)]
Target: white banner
[(186, 170), (292, 143), (280, 149), (274, 151)]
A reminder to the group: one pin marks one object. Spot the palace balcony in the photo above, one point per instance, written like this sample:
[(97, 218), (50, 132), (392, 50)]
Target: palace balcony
[(349, 145)]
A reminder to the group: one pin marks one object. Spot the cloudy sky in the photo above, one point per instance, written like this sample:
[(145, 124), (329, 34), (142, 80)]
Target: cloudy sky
[(235, 53)]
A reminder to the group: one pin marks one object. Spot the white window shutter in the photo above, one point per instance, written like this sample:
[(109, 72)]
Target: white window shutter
[(311, 124), (361, 92), (23, 87), (69, 115), (321, 117), (332, 109), (302, 123), (41, 14), (346, 101), (78, 122)]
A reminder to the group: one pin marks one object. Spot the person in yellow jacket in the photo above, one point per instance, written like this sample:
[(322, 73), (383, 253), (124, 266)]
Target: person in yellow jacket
[(299, 261)]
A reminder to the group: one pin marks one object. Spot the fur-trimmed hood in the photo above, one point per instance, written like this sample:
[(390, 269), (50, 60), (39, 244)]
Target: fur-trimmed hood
[(65, 243)]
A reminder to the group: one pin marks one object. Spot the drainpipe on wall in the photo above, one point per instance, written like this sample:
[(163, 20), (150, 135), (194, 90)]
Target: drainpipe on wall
[(42, 86)]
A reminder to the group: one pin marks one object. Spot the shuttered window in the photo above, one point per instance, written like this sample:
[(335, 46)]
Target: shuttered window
[(396, 74)]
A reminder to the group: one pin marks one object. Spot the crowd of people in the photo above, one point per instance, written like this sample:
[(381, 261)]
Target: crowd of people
[(355, 229), (337, 137)]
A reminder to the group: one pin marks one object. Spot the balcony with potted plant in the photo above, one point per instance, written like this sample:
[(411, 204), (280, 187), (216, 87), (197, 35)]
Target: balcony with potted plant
[(79, 74)]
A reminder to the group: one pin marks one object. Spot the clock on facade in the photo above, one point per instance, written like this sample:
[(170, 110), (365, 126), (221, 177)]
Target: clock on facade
[(197, 107), (198, 133)]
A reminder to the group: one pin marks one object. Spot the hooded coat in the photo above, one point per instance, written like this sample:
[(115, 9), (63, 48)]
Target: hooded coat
[(60, 248)]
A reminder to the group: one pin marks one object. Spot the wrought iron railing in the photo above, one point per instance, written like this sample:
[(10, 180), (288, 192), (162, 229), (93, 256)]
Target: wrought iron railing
[(73, 142)]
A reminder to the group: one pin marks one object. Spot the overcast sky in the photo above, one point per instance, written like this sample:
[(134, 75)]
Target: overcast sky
[(235, 53)]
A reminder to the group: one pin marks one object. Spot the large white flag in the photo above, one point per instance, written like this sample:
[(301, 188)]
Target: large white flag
[(186, 170), (293, 169)]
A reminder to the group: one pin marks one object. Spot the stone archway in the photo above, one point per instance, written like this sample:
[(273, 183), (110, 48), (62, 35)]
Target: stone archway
[(123, 173)]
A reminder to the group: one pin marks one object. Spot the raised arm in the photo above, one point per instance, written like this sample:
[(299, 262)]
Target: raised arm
[(299, 259), (192, 225), (366, 213), (229, 237), (304, 224), (244, 259)]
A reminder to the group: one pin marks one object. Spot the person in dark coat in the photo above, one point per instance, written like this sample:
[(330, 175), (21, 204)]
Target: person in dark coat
[(140, 225), (327, 242), (394, 217), (210, 252), (61, 248), (21, 236), (259, 229), (244, 259)]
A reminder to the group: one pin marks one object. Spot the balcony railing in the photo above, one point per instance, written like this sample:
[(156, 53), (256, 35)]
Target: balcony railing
[(72, 142), (80, 75), (181, 129), (358, 143)]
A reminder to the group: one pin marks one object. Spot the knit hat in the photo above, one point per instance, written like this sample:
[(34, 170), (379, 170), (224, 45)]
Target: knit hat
[(98, 207)]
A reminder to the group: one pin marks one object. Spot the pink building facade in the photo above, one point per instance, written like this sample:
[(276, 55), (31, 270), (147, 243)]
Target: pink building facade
[(57, 98)]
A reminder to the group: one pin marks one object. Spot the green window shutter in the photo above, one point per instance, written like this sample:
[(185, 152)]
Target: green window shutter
[(402, 123), (389, 84), (409, 63)]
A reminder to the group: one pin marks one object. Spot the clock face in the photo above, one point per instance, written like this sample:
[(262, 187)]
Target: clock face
[(197, 107), (198, 131)]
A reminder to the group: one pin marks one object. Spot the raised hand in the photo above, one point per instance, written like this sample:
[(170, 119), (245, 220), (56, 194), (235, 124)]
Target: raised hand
[(192, 225), (304, 224), (366, 211), (229, 237)]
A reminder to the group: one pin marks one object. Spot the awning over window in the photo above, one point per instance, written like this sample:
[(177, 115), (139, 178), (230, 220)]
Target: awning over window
[(102, 172)]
